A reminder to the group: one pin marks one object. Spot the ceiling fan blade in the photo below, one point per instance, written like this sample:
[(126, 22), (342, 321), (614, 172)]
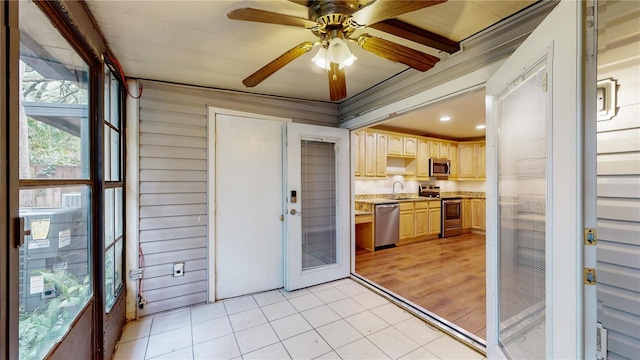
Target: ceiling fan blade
[(396, 52), (301, 2), (277, 64), (386, 9), (262, 16), (416, 34), (337, 83)]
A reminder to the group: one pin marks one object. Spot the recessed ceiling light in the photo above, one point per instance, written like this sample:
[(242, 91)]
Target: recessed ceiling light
[(480, 127), (445, 118)]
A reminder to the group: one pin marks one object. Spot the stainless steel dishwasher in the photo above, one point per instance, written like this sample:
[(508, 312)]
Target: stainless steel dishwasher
[(387, 227)]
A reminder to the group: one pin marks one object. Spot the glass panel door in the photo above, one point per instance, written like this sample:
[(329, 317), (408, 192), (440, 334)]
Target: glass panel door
[(318, 221)]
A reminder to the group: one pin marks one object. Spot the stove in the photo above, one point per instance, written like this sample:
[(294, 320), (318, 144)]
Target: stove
[(429, 191)]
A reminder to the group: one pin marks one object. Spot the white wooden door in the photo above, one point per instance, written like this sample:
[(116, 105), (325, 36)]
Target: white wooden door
[(318, 205), (246, 192), (540, 193)]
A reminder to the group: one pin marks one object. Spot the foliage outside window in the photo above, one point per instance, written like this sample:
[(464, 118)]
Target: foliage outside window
[(55, 269)]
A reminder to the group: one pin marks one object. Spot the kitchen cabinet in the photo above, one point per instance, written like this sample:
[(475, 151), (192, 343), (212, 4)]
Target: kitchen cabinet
[(422, 159), (422, 218), (401, 146), (439, 149), (453, 156), (381, 154), (471, 160), (435, 214), (370, 154), (466, 214), (407, 221), (358, 153), (478, 214)]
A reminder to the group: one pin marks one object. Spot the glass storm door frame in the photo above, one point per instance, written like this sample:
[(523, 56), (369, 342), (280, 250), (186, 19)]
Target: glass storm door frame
[(560, 44), (296, 275)]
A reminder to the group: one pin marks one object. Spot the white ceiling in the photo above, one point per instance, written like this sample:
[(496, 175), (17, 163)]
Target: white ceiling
[(193, 42)]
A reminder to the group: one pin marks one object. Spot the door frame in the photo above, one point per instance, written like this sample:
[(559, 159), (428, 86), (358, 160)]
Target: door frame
[(212, 112)]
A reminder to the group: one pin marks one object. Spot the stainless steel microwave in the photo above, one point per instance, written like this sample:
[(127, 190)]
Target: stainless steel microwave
[(439, 168)]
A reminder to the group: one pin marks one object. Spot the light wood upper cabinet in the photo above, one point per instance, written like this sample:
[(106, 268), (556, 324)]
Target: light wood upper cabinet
[(444, 150), (422, 166), (370, 155), (358, 153), (471, 160), (478, 214), (434, 149), (453, 156), (381, 154), (409, 148), (481, 163), (395, 145)]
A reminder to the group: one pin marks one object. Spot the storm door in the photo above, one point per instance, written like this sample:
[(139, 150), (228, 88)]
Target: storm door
[(537, 192), (318, 224)]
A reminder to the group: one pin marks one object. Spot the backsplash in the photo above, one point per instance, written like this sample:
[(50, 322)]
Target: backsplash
[(384, 186)]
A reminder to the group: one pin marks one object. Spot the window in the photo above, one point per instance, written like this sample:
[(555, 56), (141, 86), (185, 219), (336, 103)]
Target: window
[(55, 267), (113, 209)]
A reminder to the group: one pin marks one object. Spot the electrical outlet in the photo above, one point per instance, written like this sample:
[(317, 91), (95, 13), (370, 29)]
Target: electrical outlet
[(178, 269)]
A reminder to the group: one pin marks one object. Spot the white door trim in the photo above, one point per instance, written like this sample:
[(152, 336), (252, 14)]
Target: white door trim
[(211, 184)]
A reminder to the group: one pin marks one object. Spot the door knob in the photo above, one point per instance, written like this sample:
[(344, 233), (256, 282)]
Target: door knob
[(281, 217), (294, 212)]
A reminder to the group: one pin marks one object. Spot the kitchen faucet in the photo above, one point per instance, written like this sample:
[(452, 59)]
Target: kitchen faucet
[(395, 196)]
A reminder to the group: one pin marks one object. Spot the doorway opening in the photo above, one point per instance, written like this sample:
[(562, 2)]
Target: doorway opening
[(442, 276)]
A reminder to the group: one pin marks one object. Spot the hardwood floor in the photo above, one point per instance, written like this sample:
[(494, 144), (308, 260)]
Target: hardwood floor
[(445, 276)]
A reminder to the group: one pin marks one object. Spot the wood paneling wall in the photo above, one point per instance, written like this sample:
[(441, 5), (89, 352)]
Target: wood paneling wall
[(619, 180), (173, 209)]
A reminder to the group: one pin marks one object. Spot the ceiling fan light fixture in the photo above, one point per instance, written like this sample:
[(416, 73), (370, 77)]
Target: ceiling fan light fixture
[(336, 51)]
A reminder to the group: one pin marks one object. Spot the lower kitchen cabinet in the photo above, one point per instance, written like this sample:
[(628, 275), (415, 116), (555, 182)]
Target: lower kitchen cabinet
[(435, 214), (422, 218), (407, 221), (478, 214), (466, 214)]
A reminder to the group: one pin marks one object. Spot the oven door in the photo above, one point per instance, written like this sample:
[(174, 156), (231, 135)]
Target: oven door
[(451, 217)]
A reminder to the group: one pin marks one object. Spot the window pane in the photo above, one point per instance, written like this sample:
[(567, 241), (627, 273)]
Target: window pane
[(107, 153), (109, 225), (109, 288), (115, 156), (119, 216), (115, 102), (54, 104), (54, 263), (118, 274), (107, 95)]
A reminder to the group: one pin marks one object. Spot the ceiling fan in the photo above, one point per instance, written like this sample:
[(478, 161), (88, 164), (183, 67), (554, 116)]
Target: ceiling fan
[(333, 22)]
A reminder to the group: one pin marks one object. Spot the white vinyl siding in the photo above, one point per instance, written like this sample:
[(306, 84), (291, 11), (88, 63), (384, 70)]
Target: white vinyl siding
[(619, 180), (173, 210)]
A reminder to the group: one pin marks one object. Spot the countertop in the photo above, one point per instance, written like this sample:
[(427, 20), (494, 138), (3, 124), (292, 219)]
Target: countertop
[(362, 212)]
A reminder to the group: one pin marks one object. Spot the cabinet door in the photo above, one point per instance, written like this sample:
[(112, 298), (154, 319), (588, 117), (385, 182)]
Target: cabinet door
[(394, 145), (359, 153), (477, 214), (481, 164), (422, 222), (466, 161), (369, 153), (381, 155), (466, 214), (444, 150), (422, 167), (434, 149), (409, 148), (406, 225), (453, 156), (434, 221)]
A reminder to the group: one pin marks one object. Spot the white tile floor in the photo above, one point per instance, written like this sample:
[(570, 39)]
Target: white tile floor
[(337, 320)]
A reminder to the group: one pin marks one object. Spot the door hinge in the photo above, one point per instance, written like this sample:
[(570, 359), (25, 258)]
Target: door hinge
[(590, 276), (544, 82), (590, 237)]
